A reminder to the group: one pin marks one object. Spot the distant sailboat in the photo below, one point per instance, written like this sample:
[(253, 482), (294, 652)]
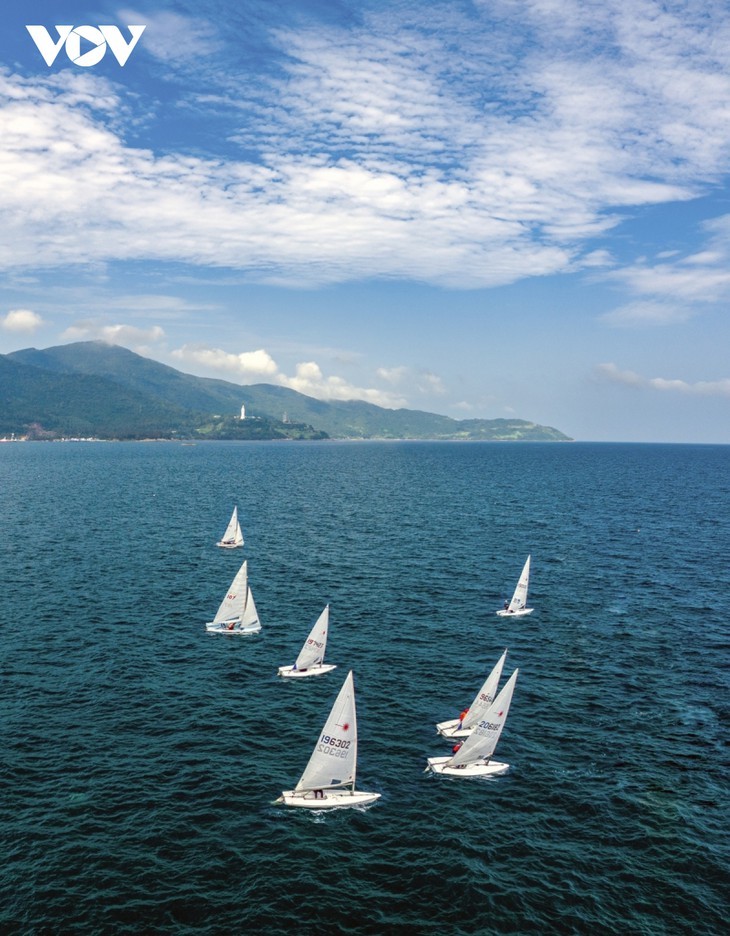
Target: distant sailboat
[(233, 537), (462, 727), (310, 661), (328, 780), (518, 605), (237, 613), (474, 757)]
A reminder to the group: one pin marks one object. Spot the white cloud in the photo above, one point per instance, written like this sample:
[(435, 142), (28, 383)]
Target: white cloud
[(690, 279), (392, 375), (714, 388), (423, 382), (127, 335), (378, 152), (676, 287), (171, 37), (21, 320), (248, 364), (308, 378), (142, 305), (649, 313), (429, 383)]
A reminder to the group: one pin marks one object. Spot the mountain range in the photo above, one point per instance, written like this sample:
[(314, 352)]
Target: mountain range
[(95, 389)]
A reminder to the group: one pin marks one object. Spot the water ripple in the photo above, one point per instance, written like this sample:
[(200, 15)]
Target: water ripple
[(141, 756)]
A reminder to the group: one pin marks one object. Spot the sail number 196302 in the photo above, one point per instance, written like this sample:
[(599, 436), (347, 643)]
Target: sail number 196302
[(337, 747)]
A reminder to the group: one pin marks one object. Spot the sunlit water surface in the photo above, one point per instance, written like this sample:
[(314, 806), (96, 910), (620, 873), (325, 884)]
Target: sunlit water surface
[(141, 756)]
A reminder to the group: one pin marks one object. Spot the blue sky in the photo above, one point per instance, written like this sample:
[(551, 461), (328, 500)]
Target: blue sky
[(485, 209)]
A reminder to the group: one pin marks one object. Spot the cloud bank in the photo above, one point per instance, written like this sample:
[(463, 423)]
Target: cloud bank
[(308, 378), (375, 152), (705, 388)]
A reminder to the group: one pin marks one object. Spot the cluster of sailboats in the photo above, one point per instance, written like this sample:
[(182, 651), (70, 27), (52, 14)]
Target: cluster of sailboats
[(480, 725), (328, 780), (237, 613)]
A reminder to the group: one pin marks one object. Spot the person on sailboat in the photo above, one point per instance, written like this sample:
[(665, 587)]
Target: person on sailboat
[(506, 606), (456, 747), (462, 717)]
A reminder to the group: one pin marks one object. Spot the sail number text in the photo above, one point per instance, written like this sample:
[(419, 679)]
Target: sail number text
[(336, 747)]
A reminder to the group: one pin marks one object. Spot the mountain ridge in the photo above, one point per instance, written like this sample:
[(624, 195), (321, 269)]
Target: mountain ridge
[(125, 386)]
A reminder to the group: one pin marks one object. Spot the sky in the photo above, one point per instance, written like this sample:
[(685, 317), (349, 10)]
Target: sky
[(481, 208)]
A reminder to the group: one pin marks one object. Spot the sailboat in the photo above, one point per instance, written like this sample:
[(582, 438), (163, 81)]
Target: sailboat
[(474, 757), (233, 537), (310, 661), (237, 613), (518, 605), (462, 727), (328, 780)]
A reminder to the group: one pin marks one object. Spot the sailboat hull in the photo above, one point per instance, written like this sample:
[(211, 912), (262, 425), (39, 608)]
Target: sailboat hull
[(232, 628), (479, 769), (521, 613), (288, 672), (229, 545), (450, 729), (331, 799)]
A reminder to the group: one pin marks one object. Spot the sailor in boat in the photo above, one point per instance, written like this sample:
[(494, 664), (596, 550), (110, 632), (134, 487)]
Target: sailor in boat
[(506, 606), (455, 750), (462, 717)]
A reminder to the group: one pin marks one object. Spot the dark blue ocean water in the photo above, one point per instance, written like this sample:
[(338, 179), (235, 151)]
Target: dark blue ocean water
[(140, 756)]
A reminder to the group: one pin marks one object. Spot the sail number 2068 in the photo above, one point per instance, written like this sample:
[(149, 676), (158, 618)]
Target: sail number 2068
[(337, 747)]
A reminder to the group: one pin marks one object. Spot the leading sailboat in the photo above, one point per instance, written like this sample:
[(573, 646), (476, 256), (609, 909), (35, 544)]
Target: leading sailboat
[(310, 661), (237, 613), (474, 757), (328, 780), (463, 726), (233, 537), (518, 605)]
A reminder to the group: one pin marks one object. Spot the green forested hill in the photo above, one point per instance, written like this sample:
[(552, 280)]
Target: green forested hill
[(93, 388), (77, 405)]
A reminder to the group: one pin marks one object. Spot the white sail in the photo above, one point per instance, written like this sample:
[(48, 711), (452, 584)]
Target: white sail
[(310, 661), (250, 615), (519, 599), (485, 696), (233, 536), (237, 612), (518, 604), (232, 606), (312, 653), (480, 744), (334, 760), (328, 781)]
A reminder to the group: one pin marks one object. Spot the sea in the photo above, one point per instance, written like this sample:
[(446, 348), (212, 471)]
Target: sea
[(141, 757)]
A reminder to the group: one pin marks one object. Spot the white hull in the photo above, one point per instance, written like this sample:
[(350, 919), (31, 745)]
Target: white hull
[(479, 769), (450, 729), (290, 673), (229, 545), (232, 628), (520, 613), (331, 799)]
